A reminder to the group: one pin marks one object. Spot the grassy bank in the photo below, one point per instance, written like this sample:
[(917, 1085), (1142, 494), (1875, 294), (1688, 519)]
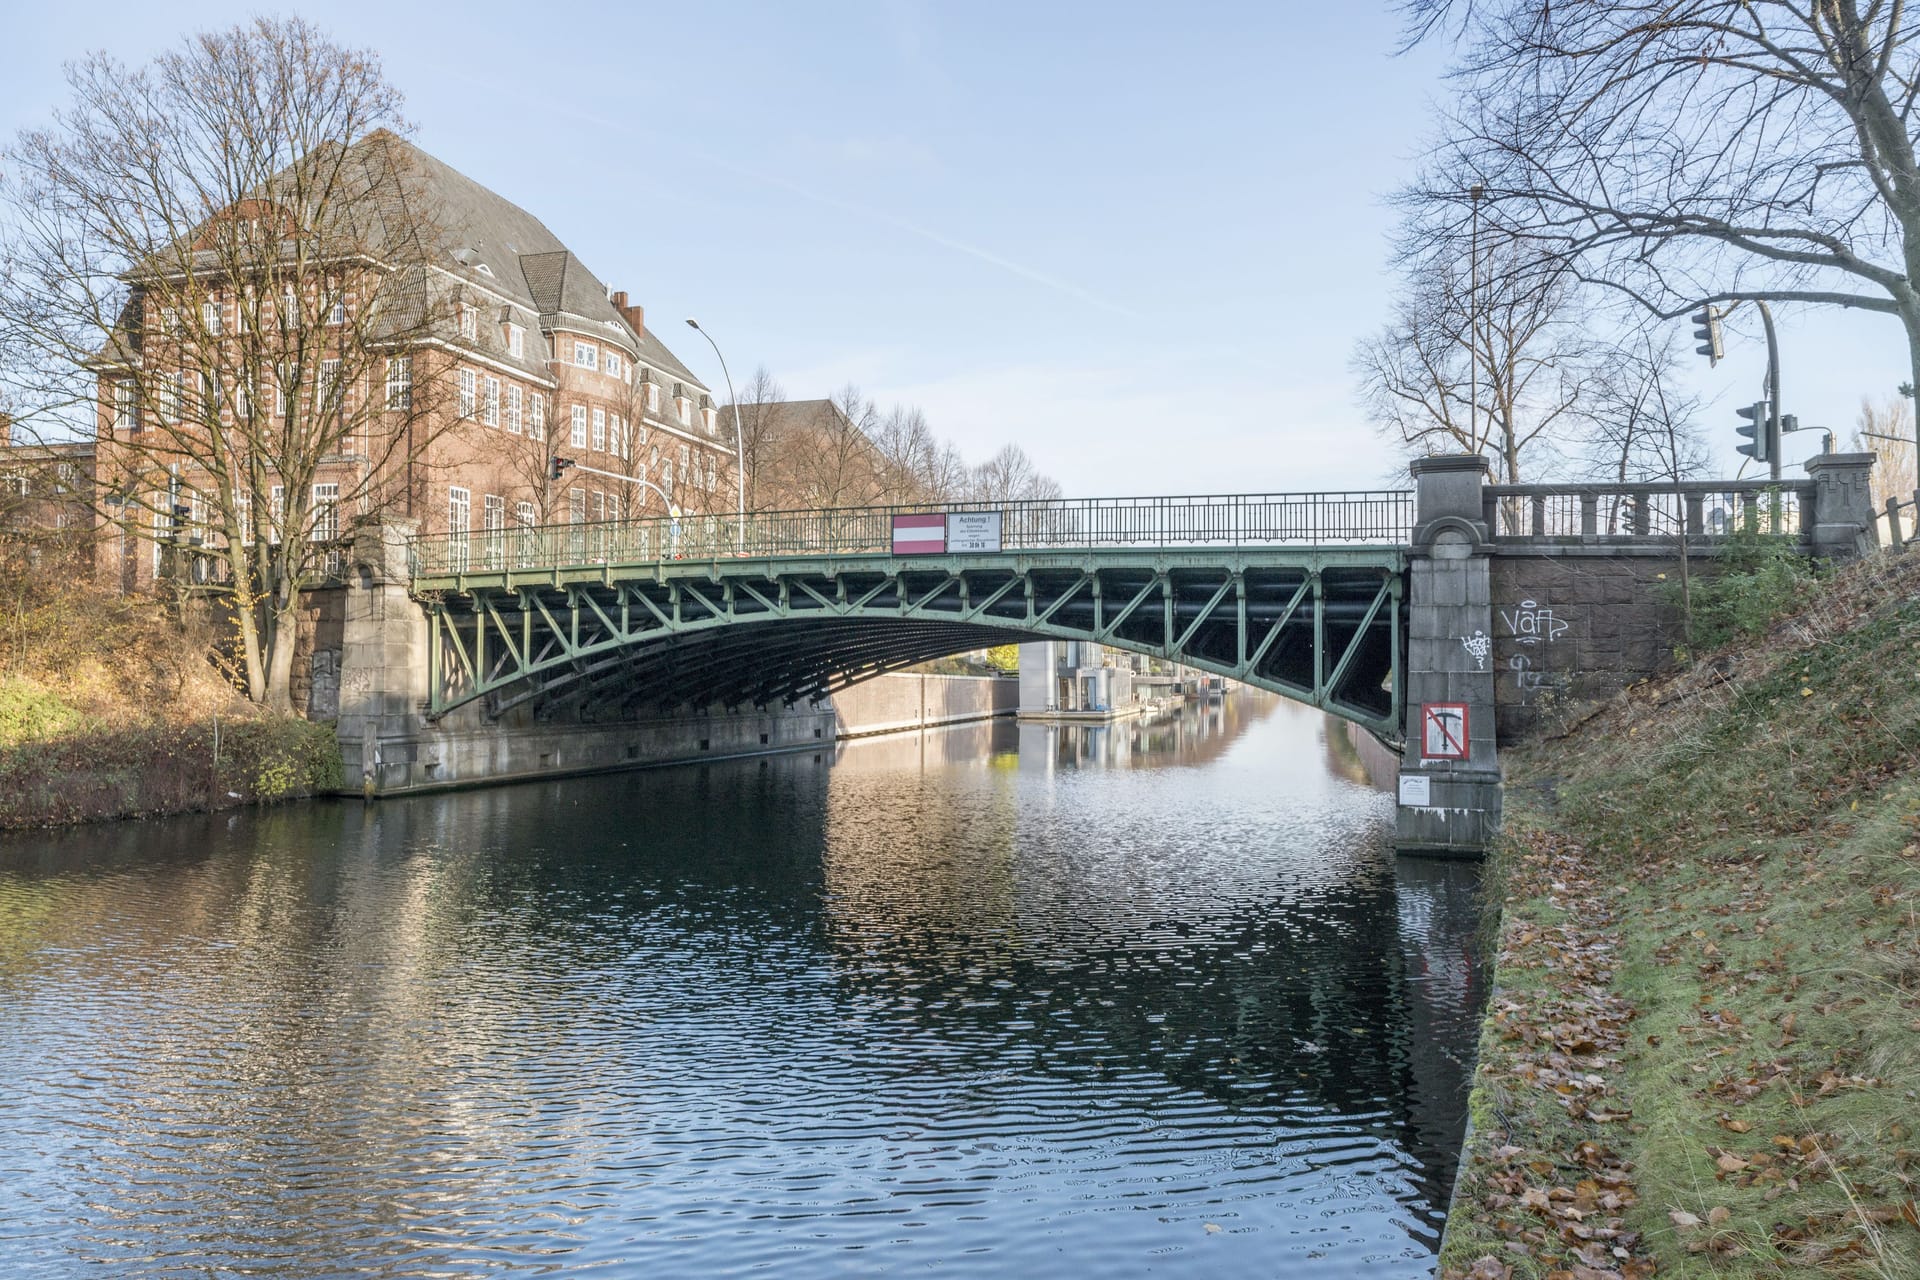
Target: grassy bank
[(1703, 1054), (110, 708)]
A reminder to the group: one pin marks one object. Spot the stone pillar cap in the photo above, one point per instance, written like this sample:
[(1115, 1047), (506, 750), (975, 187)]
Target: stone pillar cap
[(1451, 462), (1821, 461)]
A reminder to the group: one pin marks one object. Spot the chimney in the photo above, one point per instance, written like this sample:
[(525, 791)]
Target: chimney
[(636, 315)]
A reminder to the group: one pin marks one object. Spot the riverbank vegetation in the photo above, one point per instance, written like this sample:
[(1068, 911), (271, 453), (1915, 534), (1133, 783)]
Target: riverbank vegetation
[(111, 707), (1702, 1057)]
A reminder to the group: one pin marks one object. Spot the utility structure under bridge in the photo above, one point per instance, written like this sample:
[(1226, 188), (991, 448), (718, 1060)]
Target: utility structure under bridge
[(1445, 619)]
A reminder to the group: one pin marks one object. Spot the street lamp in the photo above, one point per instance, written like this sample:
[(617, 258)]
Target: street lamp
[(739, 441), (1474, 193)]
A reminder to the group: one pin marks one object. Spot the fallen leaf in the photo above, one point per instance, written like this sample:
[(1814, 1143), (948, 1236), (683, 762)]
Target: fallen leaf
[(1683, 1220)]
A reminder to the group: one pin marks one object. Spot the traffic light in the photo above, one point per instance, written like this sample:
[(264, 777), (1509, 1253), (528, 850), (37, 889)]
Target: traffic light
[(1706, 332), (559, 464), (1756, 431)]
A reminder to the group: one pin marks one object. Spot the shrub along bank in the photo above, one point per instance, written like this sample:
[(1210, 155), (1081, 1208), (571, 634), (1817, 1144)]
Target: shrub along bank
[(110, 708), (1702, 1056)]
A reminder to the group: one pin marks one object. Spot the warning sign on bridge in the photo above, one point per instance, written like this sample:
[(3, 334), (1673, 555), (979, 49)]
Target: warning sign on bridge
[(1443, 730)]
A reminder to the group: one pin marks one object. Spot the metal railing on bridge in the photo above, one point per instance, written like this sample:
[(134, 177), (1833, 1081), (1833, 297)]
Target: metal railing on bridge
[(1380, 517), (1627, 513)]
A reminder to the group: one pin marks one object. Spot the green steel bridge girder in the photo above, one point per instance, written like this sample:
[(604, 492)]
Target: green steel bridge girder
[(1320, 625)]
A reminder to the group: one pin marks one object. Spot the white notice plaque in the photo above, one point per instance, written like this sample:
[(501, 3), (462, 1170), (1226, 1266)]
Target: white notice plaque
[(973, 531), (1415, 789)]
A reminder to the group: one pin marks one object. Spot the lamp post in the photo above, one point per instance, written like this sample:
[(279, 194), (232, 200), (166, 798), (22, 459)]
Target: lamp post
[(739, 441), (1473, 317)]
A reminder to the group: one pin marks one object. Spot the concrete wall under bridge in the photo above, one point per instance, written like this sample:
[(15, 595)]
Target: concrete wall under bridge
[(468, 749)]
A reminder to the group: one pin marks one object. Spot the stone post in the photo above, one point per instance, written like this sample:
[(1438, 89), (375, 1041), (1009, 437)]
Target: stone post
[(383, 662), (1843, 515), (1449, 770)]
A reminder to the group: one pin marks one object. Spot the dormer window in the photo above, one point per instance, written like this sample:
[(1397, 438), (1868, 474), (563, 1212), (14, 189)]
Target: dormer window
[(613, 364), (706, 420), (683, 409), (516, 340), (653, 397), (586, 355), (469, 322)]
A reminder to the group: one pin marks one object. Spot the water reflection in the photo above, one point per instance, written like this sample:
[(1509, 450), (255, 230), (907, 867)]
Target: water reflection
[(998, 1000)]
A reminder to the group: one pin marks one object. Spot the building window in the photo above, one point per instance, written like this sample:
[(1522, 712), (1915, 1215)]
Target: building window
[(331, 397), (537, 417), (400, 383), (276, 511), (616, 436), (683, 409), (469, 322), (211, 316), (493, 519), (600, 429), (337, 313), (712, 480), (459, 523), (578, 438), (653, 397), (492, 403), (171, 388), (466, 393), (524, 513), (613, 506), (613, 364), (126, 415), (289, 308), (576, 506), (708, 420), (326, 513), (516, 340), (243, 515), (586, 355), (513, 410), (685, 465), (599, 506)]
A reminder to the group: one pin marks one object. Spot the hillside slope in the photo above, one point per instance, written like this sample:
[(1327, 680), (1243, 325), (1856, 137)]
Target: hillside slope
[(1702, 1056)]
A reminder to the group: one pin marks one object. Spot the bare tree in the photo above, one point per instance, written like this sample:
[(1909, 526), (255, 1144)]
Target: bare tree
[(1689, 151), (917, 465), (759, 405), (1479, 358), (1011, 476), (1885, 429), (1642, 428), (228, 249)]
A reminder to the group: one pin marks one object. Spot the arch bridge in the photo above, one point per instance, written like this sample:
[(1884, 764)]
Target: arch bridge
[(1301, 594)]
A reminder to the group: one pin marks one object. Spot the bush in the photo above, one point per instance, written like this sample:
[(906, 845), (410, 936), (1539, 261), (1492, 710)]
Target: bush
[(152, 768), (1756, 577)]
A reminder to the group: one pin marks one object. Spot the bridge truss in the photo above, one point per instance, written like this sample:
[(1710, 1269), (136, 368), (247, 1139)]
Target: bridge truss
[(1320, 625)]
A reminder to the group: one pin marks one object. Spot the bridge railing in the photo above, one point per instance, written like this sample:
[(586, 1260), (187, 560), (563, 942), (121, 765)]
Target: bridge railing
[(1362, 517), (1628, 513)]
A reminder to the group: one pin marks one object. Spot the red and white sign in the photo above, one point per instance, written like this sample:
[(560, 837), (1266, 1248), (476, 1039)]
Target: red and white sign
[(1443, 730), (921, 535)]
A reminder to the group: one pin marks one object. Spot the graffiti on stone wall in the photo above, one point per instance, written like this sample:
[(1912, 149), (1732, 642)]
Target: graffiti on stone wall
[(1533, 623), (1536, 626), (1479, 647)]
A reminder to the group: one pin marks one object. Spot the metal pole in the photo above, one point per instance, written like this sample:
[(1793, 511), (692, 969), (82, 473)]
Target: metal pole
[(739, 443), (1473, 317), (1773, 391)]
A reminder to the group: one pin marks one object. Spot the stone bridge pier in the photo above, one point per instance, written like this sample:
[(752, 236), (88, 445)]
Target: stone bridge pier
[(1529, 605)]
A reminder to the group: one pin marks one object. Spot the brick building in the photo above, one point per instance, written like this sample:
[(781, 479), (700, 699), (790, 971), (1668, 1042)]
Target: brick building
[(449, 401)]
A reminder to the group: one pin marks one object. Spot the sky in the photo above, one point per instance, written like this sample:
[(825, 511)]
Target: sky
[(1140, 241)]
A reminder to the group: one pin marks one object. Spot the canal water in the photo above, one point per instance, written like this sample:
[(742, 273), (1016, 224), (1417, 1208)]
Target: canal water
[(1152, 999)]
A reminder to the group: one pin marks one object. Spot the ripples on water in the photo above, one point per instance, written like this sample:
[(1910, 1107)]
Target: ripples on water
[(1147, 1000)]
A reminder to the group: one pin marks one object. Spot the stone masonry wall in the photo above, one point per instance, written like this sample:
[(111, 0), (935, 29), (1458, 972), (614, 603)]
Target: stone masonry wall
[(1571, 630)]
